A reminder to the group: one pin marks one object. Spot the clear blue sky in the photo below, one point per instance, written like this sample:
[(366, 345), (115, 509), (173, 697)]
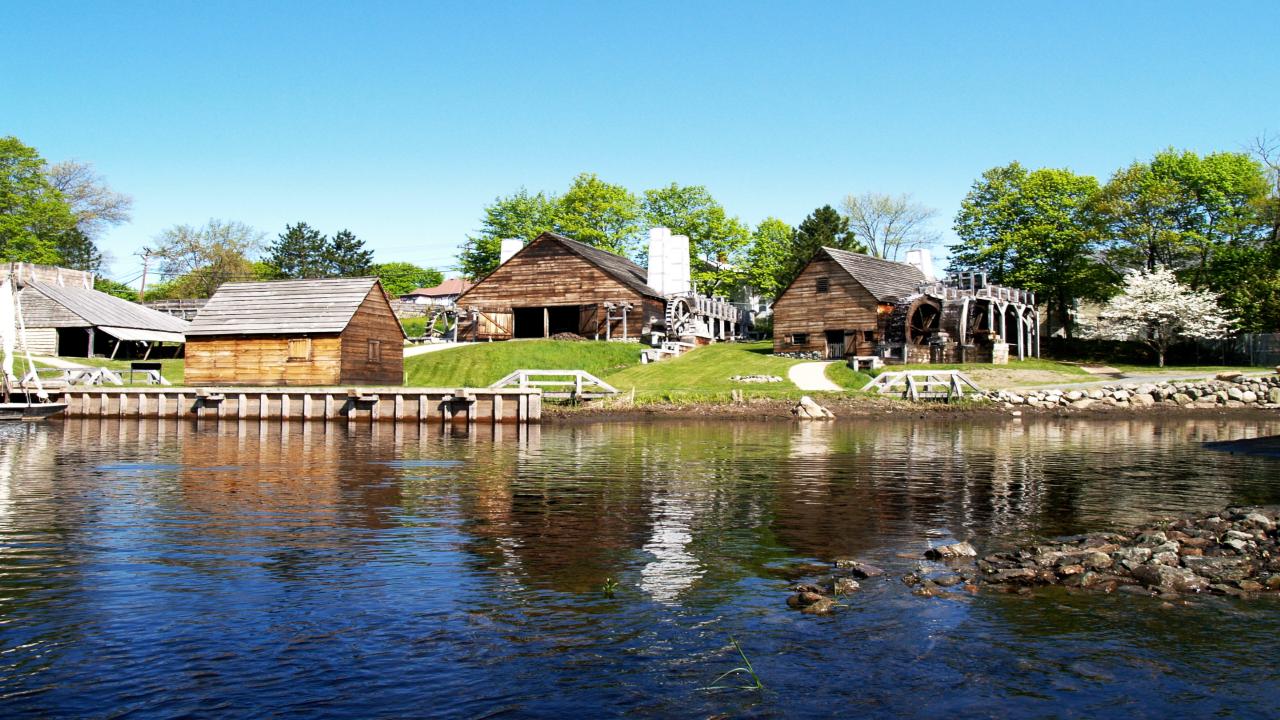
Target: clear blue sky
[(400, 121)]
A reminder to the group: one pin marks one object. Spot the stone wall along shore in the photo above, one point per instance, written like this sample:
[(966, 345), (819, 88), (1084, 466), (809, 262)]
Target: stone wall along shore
[(1226, 390)]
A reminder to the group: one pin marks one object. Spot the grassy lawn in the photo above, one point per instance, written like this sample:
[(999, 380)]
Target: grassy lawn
[(703, 374), (840, 374), (1128, 369), (171, 369), (482, 364)]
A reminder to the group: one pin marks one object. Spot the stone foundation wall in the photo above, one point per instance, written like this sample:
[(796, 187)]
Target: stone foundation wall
[(801, 355)]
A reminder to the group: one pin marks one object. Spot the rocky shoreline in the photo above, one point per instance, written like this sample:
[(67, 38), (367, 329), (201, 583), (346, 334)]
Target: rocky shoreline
[(1226, 390), (1232, 552)]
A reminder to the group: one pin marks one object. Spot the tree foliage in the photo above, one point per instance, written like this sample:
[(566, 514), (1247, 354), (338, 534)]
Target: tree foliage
[(825, 227), (302, 252), (345, 256), (599, 213), (715, 238), (889, 225), (198, 260), (33, 214), (95, 205), (521, 215), (768, 258), (400, 278), (1161, 312)]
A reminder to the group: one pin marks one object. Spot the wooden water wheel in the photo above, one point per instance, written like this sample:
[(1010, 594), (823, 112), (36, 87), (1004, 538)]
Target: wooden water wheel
[(923, 318), (679, 318)]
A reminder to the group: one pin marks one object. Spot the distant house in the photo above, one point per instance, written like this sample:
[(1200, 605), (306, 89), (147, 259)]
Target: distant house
[(338, 331), (446, 293), (80, 322)]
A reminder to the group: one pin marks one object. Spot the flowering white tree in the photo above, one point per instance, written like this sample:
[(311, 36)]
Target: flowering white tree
[(1158, 310)]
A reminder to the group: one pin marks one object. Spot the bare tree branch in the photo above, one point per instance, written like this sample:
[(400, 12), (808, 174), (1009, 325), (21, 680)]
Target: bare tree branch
[(96, 206), (889, 225)]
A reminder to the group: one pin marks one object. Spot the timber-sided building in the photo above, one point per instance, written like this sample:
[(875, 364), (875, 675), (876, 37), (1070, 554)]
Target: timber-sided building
[(556, 285), (338, 331)]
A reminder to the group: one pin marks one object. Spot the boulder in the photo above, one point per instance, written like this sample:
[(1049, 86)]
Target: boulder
[(821, 607), (1219, 569), (1181, 399), (807, 409), (804, 599), (1248, 396), (1174, 578), (1144, 400), (954, 550), (867, 571), (1230, 376), (1083, 403)]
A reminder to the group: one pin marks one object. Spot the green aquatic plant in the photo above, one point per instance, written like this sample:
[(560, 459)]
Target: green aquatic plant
[(610, 586), (748, 669)]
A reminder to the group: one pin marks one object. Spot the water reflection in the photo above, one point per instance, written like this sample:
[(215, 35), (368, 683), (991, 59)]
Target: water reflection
[(357, 570)]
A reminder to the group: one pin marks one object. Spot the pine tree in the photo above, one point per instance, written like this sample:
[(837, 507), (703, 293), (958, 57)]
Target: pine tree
[(300, 252), (345, 256)]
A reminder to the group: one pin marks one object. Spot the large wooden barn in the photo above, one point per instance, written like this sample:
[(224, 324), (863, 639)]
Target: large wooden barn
[(338, 331), (556, 285), (846, 304)]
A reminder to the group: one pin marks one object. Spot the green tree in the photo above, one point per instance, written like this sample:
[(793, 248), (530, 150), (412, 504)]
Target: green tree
[(768, 258), (119, 289), (79, 252), (521, 215), (399, 278), (599, 213), (888, 225), (1029, 230), (718, 240), (198, 260), (825, 227), (345, 256), (33, 214), (299, 252)]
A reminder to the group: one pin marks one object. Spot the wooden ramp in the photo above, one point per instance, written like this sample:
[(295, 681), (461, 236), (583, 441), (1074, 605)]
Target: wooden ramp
[(581, 382), (923, 384)]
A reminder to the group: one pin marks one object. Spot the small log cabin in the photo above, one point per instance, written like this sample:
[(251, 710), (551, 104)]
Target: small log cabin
[(556, 285), (338, 331), (839, 304)]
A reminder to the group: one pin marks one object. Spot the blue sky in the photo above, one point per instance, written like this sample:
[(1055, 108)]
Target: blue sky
[(400, 121)]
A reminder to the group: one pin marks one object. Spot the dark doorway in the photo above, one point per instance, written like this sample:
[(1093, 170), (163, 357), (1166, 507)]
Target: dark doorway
[(835, 344), (536, 322), (73, 342)]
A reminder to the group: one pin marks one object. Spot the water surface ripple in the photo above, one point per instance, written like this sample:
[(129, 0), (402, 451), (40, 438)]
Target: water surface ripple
[(165, 569)]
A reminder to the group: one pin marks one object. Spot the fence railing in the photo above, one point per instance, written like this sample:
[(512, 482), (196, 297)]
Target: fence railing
[(1253, 349)]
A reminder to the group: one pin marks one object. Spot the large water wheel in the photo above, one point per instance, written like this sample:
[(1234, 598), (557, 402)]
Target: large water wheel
[(680, 320), (923, 319)]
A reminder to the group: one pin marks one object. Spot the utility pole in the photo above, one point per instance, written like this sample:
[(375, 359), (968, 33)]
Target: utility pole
[(146, 258)]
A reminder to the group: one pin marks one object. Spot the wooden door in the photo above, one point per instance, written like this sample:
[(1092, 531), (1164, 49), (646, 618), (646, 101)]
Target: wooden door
[(496, 324), (835, 344), (589, 321)]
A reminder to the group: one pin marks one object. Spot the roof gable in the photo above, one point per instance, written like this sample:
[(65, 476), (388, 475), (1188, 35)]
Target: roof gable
[(283, 307), (615, 266), (99, 308), (886, 280)]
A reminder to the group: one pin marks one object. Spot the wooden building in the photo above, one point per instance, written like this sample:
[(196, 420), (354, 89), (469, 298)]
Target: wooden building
[(338, 331), (556, 285), (836, 305), (76, 321)]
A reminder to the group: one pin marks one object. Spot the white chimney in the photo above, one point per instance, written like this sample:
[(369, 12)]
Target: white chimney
[(658, 258), (679, 278), (920, 259), (668, 262), (510, 246)]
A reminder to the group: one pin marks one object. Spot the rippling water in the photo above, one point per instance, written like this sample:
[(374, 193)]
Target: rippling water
[(154, 569)]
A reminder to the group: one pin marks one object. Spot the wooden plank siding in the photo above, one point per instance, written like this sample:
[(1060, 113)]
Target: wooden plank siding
[(801, 309), (546, 274), (262, 361), (374, 320)]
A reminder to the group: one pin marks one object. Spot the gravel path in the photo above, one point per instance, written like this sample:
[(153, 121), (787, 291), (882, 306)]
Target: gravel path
[(812, 376)]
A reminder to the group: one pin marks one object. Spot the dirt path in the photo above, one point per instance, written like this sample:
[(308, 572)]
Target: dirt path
[(812, 376)]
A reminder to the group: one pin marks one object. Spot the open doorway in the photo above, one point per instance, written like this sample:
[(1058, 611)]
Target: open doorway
[(536, 322)]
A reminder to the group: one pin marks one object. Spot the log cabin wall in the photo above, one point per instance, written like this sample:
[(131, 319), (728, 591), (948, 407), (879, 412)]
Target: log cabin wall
[(263, 361), (374, 321), (803, 310), (545, 274)]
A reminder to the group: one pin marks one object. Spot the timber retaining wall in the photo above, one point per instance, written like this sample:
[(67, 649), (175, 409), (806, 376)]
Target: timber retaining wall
[(442, 405)]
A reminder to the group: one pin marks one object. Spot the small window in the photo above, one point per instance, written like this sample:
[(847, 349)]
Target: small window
[(800, 338), (375, 351), (824, 284), (300, 349)]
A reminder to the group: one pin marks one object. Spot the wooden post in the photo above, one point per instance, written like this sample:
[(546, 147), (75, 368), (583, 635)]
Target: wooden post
[(306, 406), (222, 408), (124, 403), (263, 406), (577, 377), (182, 405), (284, 407), (447, 407), (546, 322), (84, 404), (422, 408), (242, 406), (497, 407), (161, 400), (522, 409), (142, 404), (329, 411), (399, 412), (373, 410)]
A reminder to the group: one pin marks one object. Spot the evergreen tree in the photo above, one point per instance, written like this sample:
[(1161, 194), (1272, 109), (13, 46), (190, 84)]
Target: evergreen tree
[(825, 227), (300, 252), (345, 256)]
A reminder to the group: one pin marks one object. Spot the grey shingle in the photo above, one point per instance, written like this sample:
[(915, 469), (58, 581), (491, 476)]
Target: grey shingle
[(886, 280), (99, 308), (282, 306)]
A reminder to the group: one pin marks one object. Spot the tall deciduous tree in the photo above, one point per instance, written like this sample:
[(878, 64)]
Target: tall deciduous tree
[(718, 240), (33, 214), (199, 260), (599, 213), (399, 278), (768, 259), (888, 225), (1029, 230), (522, 215), (96, 206), (1161, 312)]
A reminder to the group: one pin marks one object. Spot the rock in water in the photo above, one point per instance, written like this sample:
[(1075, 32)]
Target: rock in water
[(1179, 579), (867, 571), (807, 409), (821, 607), (954, 550), (804, 599)]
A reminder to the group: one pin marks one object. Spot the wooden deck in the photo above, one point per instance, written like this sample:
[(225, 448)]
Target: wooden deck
[(379, 404)]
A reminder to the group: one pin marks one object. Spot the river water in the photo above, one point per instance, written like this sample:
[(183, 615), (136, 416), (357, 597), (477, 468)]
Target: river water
[(166, 569)]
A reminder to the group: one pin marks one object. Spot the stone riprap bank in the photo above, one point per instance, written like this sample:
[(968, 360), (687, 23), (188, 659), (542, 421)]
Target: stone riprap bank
[(1227, 390)]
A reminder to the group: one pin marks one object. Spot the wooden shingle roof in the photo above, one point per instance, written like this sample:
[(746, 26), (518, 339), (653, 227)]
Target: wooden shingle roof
[(615, 266), (282, 307), (886, 280), (100, 309)]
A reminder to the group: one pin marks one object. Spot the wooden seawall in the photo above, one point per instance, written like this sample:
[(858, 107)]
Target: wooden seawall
[(387, 404)]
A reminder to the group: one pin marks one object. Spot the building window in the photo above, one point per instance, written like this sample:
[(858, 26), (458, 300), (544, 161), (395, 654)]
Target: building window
[(375, 351), (824, 284), (300, 349), (800, 338)]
